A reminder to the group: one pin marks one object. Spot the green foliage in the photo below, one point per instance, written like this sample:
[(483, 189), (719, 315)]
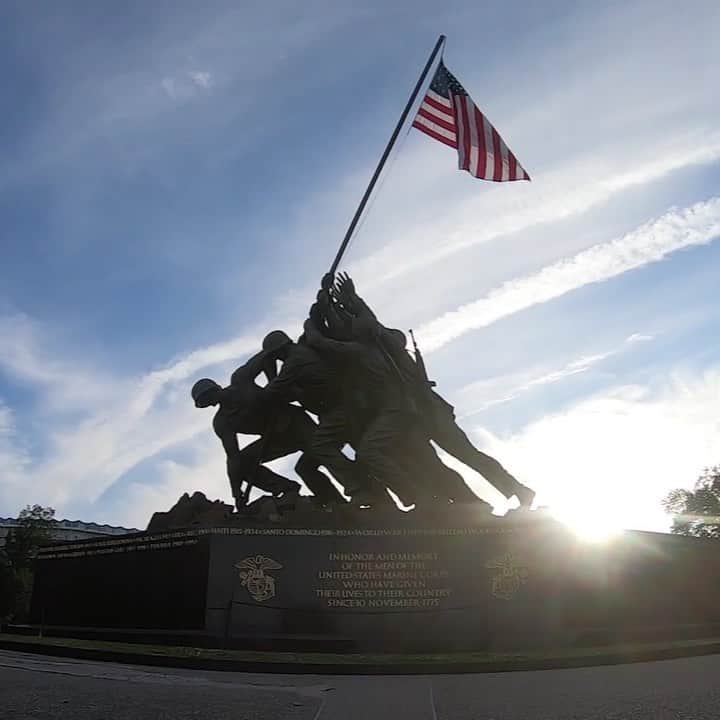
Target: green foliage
[(697, 511), (16, 562), (35, 529)]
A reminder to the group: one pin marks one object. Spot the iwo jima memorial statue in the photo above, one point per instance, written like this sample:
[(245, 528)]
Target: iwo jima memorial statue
[(345, 567)]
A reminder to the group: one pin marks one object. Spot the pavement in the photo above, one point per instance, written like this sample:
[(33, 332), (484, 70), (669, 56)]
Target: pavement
[(41, 688)]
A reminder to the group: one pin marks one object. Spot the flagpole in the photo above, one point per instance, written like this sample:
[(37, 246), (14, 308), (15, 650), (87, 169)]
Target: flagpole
[(385, 155)]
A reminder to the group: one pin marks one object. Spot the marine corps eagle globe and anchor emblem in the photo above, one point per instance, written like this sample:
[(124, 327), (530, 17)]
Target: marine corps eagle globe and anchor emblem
[(253, 576), (509, 577)]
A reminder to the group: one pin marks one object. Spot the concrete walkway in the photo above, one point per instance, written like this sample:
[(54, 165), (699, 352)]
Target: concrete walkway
[(40, 687)]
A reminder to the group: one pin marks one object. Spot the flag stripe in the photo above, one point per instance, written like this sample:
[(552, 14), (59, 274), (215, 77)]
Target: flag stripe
[(430, 104), (437, 129), (482, 147), (441, 100), (469, 109), (490, 153), (451, 141), (464, 136), (505, 165), (438, 120), (497, 156), (512, 162)]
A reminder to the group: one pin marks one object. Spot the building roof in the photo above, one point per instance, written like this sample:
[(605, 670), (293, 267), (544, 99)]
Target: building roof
[(78, 525)]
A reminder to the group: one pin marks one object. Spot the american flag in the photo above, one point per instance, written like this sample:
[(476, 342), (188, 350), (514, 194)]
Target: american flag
[(449, 115)]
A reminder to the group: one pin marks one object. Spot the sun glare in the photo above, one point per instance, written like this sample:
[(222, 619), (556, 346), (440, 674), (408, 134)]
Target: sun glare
[(595, 525)]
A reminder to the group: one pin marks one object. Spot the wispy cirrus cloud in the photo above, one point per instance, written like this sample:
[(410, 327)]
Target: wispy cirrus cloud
[(484, 394), (698, 224)]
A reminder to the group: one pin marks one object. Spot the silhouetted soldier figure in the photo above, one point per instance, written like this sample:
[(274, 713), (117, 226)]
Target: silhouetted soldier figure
[(392, 444), (284, 429), (307, 378), (444, 430), (347, 418), (377, 398)]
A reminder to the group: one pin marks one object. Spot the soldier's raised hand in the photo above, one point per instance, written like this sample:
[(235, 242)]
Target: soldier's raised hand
[(327, 281), (344, 286)]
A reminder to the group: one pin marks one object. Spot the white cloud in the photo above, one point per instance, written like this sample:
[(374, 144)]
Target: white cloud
[(677, 229)]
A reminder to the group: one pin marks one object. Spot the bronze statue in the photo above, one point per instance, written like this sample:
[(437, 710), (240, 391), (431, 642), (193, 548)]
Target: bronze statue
[(367, 391)]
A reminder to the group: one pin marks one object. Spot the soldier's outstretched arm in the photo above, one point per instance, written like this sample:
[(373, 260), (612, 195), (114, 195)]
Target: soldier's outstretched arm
[(270, 368), (251, 369), (318, 341), (335, 319), (316, 315)]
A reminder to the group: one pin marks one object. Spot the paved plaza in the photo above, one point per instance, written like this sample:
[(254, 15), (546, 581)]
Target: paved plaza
[(37, 687)]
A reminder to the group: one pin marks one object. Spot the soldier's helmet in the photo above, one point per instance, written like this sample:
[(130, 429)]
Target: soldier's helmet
[(275, 340), (398, 336), (200, 388)]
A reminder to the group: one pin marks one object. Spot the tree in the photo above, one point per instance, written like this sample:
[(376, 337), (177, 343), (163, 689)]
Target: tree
[(35, 529), (21, 546), (697, 511)]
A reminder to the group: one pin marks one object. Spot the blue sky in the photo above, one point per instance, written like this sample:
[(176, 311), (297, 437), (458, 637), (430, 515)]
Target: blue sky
[(177, 176)]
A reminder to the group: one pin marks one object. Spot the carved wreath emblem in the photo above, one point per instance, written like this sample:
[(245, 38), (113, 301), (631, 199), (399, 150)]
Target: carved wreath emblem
[(509, 577), (252, 576)]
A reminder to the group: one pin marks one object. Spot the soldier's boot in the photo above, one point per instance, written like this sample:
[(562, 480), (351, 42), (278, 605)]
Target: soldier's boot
[(525, 495), (288, 499), (373, 497)]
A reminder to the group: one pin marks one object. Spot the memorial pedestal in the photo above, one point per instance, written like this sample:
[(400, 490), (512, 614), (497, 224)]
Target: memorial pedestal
[(391, 583)]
